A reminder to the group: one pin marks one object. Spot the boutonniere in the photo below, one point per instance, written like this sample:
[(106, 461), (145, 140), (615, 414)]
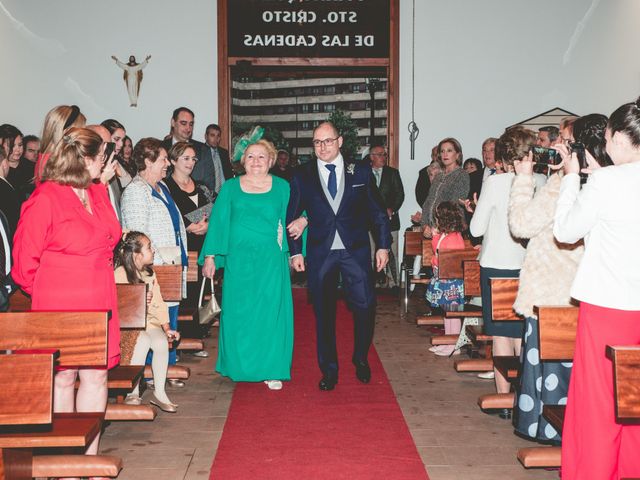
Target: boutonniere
[(351, 168)]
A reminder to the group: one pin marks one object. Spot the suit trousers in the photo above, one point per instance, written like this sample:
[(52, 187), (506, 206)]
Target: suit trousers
[(359, 293)]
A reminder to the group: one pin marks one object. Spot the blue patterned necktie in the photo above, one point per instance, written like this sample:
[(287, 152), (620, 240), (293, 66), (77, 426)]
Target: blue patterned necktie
[(332, 185)]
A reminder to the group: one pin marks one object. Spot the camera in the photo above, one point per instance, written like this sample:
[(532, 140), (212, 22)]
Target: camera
[(545, 156)]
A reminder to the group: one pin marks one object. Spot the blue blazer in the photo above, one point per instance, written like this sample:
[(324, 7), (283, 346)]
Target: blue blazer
[(360, 211)]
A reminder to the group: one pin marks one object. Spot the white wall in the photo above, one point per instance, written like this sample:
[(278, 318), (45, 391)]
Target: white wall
[(480, 65), (59, 52), (484, 65)]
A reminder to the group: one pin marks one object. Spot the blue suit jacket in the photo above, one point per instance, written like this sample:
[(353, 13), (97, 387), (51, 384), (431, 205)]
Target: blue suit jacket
[(361, 210)]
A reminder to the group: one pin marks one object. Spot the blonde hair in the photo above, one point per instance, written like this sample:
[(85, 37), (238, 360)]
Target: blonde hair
[(56, 122), (66, 165), (269, 147)]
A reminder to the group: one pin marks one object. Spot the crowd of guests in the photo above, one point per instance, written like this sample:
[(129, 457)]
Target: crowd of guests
[(568, 232), (565, 230)]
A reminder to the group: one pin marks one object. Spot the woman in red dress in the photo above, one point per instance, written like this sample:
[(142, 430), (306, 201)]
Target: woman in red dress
[(63, 255)]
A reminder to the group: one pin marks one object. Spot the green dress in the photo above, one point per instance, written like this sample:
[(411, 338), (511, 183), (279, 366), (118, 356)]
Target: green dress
[(247, 235)]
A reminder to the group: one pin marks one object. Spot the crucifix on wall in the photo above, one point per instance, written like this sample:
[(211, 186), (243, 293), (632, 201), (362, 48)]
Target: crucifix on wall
[(132, 76)]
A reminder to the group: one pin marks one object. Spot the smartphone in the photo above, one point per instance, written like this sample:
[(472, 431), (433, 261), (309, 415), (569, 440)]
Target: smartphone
[(545, 156), (108, 150)]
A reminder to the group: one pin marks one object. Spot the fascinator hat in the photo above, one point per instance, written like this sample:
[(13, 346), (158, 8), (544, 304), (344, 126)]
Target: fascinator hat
[(245, 140)]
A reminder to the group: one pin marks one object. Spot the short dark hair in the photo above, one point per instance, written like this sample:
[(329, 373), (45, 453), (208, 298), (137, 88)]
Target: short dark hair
[(475, 161), (29, 139), (554, 132), (112, 125), (448, 218), (212, 126), (147, 148), (626, 119), (178, 110)]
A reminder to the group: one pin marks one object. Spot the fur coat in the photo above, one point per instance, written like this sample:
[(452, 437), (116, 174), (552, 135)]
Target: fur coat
[(549, 267)]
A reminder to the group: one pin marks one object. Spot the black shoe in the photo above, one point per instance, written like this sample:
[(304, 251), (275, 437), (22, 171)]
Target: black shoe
[(505, 414), (363, 372), (327, 383)]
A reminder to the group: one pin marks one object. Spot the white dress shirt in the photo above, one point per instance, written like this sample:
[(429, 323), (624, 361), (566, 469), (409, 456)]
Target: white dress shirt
[(324, 171), (606, 213)]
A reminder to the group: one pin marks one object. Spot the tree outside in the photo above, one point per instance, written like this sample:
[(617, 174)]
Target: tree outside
[(349, 130)]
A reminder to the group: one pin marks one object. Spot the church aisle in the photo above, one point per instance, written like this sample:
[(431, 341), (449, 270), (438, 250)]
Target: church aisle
[(454, 439)]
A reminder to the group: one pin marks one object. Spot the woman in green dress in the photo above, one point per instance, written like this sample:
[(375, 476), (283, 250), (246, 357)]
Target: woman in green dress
[(247, 237)]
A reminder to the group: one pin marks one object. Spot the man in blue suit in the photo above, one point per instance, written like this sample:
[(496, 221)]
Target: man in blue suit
[(342, 205)]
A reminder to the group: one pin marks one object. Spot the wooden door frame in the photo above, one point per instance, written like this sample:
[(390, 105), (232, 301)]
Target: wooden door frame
[(392, 65)]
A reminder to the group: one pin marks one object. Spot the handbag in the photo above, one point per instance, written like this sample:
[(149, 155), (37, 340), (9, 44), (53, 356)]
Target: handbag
[(206, 313)]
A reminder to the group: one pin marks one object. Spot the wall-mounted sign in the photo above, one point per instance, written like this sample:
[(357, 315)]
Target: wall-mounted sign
[(308, 28)]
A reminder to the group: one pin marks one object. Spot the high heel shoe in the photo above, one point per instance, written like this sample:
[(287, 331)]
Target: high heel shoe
[(165, 407)]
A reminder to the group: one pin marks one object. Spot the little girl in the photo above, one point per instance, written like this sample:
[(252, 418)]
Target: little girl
[(134, 258), (447, 235)]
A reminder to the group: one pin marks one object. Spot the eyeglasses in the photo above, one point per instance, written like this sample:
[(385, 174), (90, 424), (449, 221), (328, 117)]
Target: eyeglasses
[(327, 142), (187, 158)]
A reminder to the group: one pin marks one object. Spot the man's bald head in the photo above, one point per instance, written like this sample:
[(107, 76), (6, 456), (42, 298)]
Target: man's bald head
[(102, 131)]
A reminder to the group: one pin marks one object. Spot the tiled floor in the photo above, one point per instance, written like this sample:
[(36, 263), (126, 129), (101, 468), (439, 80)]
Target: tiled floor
[(455, 439)]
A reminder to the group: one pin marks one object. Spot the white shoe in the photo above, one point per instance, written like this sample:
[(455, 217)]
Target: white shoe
[(487, 375), (274, 384), (132, 399), (447, 352), (435, 348)]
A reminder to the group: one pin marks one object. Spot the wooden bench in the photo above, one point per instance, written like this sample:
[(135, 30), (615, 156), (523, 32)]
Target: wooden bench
[(557, 328), (412, 248), (626, 382), (451, 266), (132, 308), (81, 338), (170, 281), (503, 295)]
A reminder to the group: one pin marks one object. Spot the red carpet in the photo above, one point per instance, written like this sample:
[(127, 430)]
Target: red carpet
[(353, 432)]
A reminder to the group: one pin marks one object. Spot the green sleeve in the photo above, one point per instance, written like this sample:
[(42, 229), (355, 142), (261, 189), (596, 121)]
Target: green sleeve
[(216, 241), (286, 191)]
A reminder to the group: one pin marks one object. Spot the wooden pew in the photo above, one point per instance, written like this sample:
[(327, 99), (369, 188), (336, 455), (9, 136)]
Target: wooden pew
[(26, 395), (503, 295), (412, 247), (479, 341), (557, 328), (626, 382), (132, 308), (26, 418), (451, 266), (80, 336), (170, 281)]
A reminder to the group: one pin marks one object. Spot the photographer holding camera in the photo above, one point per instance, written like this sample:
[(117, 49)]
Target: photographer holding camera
[(605, 213)]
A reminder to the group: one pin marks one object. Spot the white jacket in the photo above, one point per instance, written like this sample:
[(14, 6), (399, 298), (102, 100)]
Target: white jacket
[(606, 213)]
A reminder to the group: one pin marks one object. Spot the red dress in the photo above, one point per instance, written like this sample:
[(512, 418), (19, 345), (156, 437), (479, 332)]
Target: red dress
[(63, 255)]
